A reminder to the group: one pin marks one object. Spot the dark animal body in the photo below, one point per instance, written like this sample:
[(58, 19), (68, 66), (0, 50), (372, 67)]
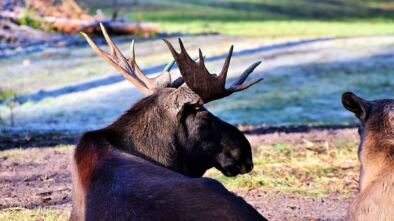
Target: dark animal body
[(375, 201), (125, 187), (145, 165)]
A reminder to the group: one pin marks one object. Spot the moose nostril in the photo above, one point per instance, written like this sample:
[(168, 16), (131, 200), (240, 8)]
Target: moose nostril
[(245, 168), (249, 167)]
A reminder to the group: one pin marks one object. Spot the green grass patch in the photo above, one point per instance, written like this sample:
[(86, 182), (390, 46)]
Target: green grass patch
[(262, 17), (281, 28), (29, 18), (22, 214), (307, 169), (7, 94)]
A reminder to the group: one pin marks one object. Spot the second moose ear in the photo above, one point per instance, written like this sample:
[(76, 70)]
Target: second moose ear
[(355, 104), (181, 97)]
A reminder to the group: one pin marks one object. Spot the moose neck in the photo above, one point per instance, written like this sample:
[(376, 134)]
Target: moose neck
[(376, 156), (147, 132)]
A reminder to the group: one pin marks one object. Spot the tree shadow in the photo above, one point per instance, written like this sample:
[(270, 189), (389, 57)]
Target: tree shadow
[(42, 94), (277, 10), (37, 139), (307, 95)]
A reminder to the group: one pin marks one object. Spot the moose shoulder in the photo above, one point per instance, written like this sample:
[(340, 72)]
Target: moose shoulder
[(126, 187), (375, 200), (166, 132)]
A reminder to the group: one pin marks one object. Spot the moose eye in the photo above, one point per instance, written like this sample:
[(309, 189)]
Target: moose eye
[(192, 109), (198, 108)]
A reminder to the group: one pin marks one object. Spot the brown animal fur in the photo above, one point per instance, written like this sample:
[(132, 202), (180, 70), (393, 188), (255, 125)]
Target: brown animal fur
[(141, 167), (125, 187), (375, 200)]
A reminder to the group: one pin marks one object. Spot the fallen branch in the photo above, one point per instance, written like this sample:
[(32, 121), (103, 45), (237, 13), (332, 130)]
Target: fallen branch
[(31, 25), (10, 31), (72, 26)]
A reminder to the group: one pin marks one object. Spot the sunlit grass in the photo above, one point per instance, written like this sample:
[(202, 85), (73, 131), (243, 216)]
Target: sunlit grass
[(19, 154), (21, 214), (311, 169), (281, 28), (265, 17), (304, 169)]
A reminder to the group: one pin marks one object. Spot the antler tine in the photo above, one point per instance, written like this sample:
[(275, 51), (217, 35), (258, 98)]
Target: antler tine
[(201, 58), (115, 52), (208, 86), (175, 54), (171, 48), (128, 66), (193, 73), (223, 73), (160, 81), (238, 85), (246, 73), (243, 86), (135, 66), (113, 61), (183, 50), (132, 53)]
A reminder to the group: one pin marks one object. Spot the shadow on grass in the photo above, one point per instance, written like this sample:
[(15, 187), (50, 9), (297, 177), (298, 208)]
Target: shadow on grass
[(309, 93), (258, 130), (26, 139), (52, 139), (40, 95), (291, 94)]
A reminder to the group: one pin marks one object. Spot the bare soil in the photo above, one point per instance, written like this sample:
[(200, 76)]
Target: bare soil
[(39, 177)]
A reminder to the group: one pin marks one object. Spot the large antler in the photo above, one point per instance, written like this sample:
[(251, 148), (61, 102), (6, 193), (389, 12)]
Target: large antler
[(128, 66), (208, 86)]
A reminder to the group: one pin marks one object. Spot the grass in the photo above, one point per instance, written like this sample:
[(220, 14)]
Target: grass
[(22, 214), (311, 91), (302, 85), (6, 94), (19, 154), (282, 28), (64, 66), (263, 17), (307, 169), (304, 169)]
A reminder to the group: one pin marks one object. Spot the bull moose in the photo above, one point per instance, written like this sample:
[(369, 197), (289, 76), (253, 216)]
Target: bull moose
[(147, 164), (375, 201)]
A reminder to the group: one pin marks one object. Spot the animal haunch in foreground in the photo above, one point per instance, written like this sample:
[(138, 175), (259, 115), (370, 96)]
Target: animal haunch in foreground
[(141, 166), (375, 200)]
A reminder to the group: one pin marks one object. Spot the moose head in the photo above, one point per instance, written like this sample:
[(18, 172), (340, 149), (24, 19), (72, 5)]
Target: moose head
[(376, 153), (170, 126), (376, 130)]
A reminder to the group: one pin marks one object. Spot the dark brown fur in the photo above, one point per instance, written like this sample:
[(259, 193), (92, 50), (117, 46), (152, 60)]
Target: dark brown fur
[(376, 153), (127, 171), (160, 139)]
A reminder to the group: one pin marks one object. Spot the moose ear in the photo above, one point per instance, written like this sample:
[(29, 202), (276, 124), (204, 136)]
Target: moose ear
[(355, 104), (178, 99)]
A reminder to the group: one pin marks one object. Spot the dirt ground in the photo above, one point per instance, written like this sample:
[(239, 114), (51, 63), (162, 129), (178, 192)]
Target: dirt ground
[(39, 177)]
